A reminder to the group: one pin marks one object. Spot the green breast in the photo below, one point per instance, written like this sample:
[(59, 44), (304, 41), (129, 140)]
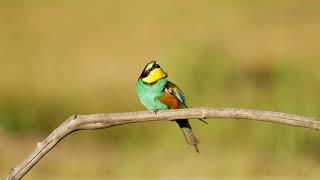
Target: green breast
[(149, 94)]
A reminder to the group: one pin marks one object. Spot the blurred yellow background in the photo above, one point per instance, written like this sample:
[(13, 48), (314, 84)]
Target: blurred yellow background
[(59, 58)]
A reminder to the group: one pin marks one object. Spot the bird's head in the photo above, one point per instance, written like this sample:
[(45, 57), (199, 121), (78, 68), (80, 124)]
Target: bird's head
[(152, 73)]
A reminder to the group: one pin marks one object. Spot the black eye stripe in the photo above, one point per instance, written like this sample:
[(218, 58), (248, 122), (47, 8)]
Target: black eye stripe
[(153, 67), (147, 71)]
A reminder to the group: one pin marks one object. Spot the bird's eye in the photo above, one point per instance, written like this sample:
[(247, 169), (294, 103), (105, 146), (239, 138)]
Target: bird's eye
[(157, 66)]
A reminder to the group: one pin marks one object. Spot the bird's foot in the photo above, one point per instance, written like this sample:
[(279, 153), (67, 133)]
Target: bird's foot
[(154, 111)]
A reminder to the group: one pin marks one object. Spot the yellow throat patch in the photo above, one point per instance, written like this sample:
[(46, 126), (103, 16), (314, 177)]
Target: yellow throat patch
[(154, 76)]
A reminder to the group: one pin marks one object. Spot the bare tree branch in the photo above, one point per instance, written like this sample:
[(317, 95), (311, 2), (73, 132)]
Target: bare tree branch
[(101, 121)]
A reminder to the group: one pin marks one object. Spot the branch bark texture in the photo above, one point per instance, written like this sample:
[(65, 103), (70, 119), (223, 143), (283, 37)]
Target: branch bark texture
[(101, 121)]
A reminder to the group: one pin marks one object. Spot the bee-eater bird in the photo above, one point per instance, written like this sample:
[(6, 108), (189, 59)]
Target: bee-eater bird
[(156, 92)]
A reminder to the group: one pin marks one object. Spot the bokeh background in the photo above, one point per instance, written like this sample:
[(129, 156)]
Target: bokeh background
[(59, 58)]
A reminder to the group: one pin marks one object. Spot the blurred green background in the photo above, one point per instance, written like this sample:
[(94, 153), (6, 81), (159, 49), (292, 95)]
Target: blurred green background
[(59, 58)]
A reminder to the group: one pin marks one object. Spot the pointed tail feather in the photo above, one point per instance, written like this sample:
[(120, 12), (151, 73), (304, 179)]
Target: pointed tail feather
[(190, 137), (187, 132)]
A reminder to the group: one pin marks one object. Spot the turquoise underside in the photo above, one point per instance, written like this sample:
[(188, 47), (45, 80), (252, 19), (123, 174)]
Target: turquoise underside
[(149, 94)]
